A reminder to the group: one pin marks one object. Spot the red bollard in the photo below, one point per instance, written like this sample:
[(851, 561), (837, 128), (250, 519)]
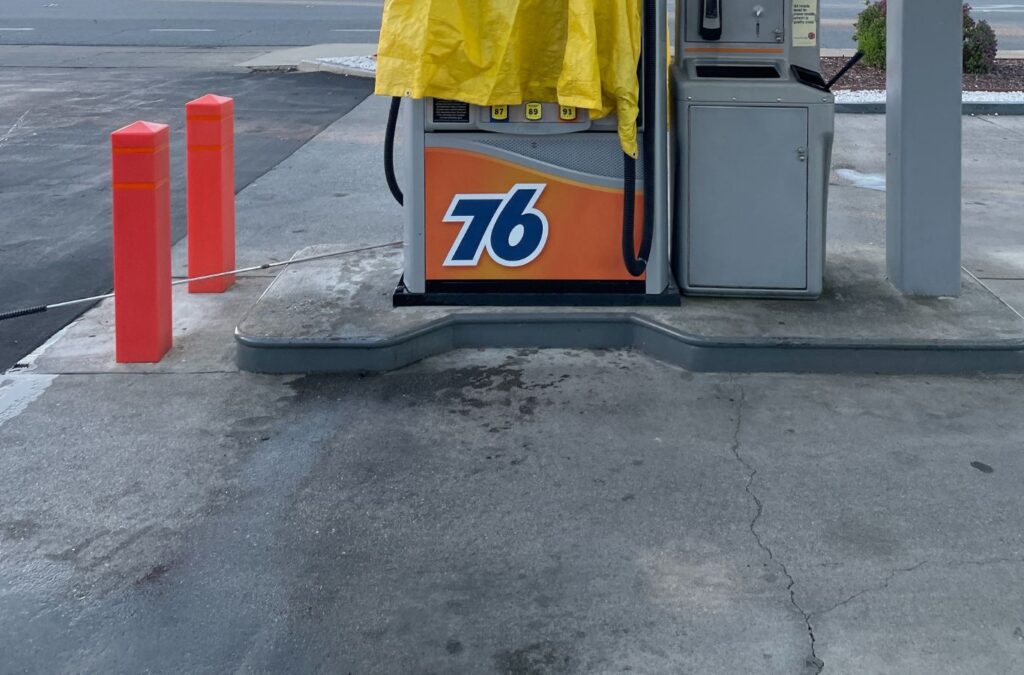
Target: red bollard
[(211, 192), (142, 242)]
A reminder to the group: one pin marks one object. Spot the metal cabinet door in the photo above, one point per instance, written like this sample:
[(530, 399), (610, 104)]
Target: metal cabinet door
[(747, 200)]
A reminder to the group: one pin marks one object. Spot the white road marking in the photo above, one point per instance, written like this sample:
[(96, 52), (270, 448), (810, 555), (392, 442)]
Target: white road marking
[(17, 391), (14, 127), (13, 30), (19, 386), (868, 181), (182, 30)]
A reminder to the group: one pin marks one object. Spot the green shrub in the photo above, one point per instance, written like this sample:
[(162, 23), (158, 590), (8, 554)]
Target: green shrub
[(980, 44), (871, 33)]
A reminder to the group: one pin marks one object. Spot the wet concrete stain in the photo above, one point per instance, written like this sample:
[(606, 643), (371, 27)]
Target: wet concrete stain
[(110, 501), (528, 406), (540, 658), (17, 530), (253, 423), (982, 467), (71, 553), (454, 647), (154, 574), (501, 389)]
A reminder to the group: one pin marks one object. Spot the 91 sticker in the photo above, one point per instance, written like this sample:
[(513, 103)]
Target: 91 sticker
[(507, 225)]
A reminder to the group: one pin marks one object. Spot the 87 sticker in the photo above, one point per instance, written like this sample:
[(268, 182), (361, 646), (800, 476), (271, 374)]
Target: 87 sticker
[(507, 225)]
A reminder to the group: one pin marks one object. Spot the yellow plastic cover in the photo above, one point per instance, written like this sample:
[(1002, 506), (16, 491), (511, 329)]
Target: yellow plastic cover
[(581, 53)]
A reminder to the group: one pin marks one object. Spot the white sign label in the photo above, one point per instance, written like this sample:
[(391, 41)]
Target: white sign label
[(805, 23)]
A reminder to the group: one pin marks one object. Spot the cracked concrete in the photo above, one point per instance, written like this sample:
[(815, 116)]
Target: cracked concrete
[(813, 662), (511, 512), (884, 585), (865, 526)]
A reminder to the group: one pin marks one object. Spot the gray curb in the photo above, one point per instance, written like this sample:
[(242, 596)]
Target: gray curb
[(626, 331), (317, 67), (969, 108)]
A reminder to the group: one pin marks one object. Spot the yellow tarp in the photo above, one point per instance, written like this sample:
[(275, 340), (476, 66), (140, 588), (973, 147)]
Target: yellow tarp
[(582, 53)]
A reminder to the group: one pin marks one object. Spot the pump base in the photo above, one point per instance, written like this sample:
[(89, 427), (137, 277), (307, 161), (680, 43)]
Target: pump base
[(536, 294), (336, 315)]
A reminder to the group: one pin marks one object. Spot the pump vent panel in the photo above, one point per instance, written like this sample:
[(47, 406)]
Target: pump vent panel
[(597, 154)]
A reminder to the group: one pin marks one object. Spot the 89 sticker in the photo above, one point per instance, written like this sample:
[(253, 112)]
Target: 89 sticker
[(507, 225)]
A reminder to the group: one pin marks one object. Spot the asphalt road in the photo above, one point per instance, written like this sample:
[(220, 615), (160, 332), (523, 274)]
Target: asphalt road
[(838, 17), (302, 22), (188, 22), (55, 239), (58, 106)]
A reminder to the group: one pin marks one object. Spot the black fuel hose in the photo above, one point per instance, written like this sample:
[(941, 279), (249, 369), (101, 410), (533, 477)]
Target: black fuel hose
[(636, 262), (14, 314), (633, 265), (389, 151), (844, 70)]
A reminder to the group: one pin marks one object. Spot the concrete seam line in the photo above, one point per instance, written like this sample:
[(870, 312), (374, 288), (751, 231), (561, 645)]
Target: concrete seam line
[(993, 293)]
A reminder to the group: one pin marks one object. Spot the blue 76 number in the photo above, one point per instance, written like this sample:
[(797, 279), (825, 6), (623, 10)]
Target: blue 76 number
[(507, 225)]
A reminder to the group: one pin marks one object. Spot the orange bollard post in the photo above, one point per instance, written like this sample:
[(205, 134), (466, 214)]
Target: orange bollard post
[(142, 242), (211, 192)]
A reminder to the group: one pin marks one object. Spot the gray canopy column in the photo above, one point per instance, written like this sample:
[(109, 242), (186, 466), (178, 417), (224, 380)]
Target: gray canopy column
[(925, 47)]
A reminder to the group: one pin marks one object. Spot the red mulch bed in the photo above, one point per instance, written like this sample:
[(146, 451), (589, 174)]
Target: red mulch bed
[(1008, 76)]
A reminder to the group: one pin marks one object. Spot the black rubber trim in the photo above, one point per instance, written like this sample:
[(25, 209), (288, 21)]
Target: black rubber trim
[(536, 294), (549, 287), (810, 78)]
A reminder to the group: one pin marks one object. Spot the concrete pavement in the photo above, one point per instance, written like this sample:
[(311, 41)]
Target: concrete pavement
[(514, 513), (510, 511), (291, 59)]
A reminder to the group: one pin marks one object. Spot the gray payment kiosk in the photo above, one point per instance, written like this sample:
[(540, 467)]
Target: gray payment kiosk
[(752, 143)]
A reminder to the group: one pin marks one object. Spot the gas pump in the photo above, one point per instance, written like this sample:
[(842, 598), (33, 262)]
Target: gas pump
[(753, 147), (534, 202)]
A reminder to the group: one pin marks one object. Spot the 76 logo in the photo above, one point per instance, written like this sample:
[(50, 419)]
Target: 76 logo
[(507, 225)]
